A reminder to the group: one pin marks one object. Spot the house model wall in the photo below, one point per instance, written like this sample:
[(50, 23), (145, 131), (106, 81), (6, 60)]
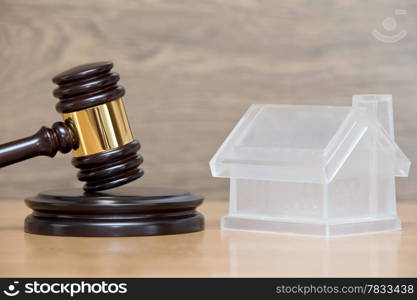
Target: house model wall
[(313, 170)]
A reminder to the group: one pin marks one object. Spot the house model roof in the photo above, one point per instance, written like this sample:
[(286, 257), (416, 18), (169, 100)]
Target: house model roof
[(296, 143)]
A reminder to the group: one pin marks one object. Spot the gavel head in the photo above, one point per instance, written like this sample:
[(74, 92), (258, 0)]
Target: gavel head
[(92, 106)]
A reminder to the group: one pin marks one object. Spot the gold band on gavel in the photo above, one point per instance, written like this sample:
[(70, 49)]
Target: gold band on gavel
[(100, 128)]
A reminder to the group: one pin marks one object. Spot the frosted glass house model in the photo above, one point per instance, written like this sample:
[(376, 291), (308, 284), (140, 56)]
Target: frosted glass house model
[(313, 170)]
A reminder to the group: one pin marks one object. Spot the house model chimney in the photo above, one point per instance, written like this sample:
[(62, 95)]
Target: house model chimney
[(379, 106)]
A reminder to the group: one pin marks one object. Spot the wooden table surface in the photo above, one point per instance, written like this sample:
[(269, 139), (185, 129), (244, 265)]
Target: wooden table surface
[(211, 253)]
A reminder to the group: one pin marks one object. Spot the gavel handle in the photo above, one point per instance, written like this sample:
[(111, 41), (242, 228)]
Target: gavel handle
[(47, 142)]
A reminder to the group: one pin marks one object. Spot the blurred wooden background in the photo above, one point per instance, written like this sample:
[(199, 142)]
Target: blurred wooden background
[(192, 68)]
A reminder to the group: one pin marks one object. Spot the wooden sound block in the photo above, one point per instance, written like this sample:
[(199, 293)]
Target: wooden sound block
[(122, 211)]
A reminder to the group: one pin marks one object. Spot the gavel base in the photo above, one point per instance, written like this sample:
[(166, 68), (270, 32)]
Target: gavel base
[(124, 211)]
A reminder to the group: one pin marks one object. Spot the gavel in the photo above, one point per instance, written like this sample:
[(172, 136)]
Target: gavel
[(95, 127)]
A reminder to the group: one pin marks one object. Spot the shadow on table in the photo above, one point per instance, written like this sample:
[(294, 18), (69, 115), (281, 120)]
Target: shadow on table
[(263, 254)]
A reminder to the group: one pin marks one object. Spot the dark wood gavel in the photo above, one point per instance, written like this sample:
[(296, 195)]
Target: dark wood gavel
[(94, 126)]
